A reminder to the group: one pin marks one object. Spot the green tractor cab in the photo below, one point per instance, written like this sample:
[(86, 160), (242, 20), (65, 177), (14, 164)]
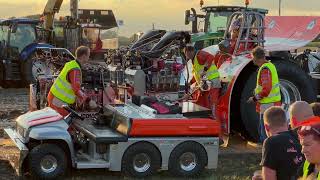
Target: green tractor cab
[(215, 22)]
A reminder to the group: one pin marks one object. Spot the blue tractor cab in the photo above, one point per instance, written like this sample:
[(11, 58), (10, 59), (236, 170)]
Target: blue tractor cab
[(18, 42)]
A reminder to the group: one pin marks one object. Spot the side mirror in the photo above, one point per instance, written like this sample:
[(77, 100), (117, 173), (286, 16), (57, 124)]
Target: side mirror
[(14, 28), (186, 17)]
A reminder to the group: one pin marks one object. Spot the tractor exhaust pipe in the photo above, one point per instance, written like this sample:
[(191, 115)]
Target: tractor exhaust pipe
[(195, 22)]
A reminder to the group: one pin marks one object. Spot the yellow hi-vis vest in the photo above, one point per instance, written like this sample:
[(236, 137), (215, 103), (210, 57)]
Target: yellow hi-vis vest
[(212, 72), (274, 95), (61, 87), (306, 170)]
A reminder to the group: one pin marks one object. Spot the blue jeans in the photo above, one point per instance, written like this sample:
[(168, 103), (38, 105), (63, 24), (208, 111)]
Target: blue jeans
[(262, 130)]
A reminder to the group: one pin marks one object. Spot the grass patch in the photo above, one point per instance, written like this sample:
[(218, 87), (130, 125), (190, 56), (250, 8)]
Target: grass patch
[(313, 44)]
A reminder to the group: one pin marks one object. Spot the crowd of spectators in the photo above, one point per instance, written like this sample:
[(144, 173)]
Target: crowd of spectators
[(292, 149)]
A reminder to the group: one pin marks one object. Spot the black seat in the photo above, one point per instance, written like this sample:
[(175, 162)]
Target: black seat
[(192, 110), (99, 134)]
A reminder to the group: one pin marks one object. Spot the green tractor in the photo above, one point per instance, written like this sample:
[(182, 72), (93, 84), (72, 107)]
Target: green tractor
[(215, 19)]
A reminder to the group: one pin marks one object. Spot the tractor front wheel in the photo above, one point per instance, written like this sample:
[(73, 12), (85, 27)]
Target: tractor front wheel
[(47, 161)]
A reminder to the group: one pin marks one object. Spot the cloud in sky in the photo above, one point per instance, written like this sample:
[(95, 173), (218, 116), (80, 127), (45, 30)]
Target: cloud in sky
[(139, 15)]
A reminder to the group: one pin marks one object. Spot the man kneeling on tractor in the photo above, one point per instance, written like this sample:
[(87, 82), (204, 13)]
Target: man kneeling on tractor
[(206, 79), (67, 87), (230, 45)]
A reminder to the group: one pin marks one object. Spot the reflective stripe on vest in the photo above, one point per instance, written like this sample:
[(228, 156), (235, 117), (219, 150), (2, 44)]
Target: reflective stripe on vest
[(306, 170), (61, 87), (212, 72), (274, 95)]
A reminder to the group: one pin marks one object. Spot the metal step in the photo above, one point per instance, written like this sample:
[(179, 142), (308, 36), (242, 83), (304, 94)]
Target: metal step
[(84, 161)]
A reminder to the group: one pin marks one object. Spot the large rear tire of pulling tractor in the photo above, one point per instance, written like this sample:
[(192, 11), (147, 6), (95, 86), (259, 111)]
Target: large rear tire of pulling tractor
[(295, 85)]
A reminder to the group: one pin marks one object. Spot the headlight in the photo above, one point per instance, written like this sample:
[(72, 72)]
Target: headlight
[(20, 130)]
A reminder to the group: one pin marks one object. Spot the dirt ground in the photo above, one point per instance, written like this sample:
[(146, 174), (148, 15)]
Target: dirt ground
[(233, 166), (237, 161)]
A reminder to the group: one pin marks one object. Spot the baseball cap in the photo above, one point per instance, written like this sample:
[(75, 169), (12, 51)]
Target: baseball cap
[(307, 130), (310, 122)]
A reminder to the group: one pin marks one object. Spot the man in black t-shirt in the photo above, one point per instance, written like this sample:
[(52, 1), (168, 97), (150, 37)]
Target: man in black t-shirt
[(281, 152)]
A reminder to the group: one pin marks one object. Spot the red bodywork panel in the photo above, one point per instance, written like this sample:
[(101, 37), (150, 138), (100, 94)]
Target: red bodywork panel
[(284, 33), (174, 127)]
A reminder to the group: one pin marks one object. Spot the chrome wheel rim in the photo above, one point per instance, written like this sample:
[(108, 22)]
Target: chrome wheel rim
[(289, 94), (48, 164), (188, 161), (141, 162)]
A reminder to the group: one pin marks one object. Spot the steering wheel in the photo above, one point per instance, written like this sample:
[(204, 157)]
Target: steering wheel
[(73, 112)]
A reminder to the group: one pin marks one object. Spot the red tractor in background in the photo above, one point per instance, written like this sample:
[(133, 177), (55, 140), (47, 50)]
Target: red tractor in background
[(83, 27), (278, 35)]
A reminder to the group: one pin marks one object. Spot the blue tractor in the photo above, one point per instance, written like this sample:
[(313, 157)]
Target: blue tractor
[(19, 39)]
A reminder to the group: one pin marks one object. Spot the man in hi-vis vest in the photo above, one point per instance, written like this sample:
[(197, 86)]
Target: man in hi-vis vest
[(267, 91), (206, 78), (67, 87)]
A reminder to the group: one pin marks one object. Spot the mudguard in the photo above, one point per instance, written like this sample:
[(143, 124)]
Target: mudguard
[(28, 50), (54, 131), (229, 73)]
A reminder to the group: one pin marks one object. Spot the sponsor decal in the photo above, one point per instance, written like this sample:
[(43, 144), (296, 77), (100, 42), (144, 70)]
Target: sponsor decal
[(272, 24), (311, 25)]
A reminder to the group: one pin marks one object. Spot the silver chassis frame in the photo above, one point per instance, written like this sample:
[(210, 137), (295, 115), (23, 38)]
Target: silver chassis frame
[(165, 145)]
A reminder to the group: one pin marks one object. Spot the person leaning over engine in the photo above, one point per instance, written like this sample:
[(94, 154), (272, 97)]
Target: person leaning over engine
[(206, 77), (67, 87)]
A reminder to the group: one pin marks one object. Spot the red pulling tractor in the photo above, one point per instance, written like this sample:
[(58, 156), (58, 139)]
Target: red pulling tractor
[(147, 132)]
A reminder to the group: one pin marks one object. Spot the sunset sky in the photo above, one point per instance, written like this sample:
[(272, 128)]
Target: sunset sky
[(138, 15)]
